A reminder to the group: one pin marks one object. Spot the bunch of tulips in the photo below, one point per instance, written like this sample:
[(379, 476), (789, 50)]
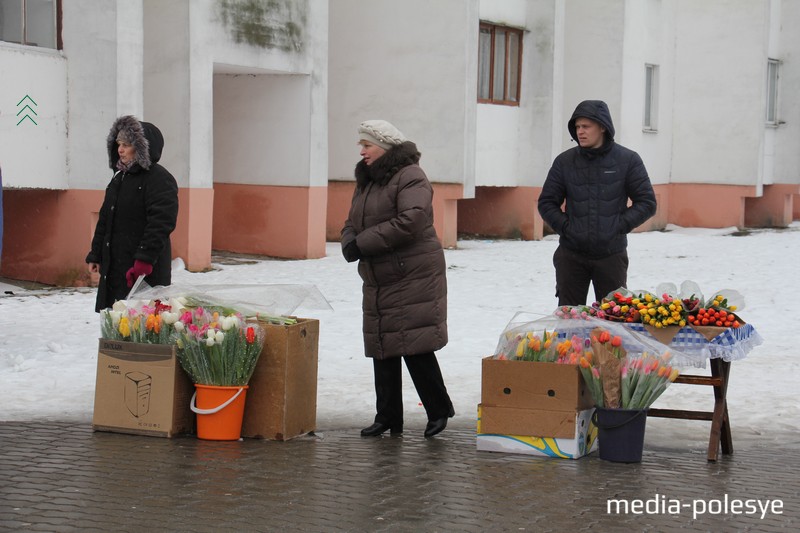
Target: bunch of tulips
[(215, 345), (639, 379), (660, 312), (150, 323)]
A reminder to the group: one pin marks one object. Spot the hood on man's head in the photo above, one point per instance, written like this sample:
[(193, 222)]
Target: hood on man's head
[(145, 137), (596, 110)]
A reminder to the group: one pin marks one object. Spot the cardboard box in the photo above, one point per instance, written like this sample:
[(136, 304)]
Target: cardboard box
[(141, 389), (530, 385), (514, 421), (282, 397), (581, 439)]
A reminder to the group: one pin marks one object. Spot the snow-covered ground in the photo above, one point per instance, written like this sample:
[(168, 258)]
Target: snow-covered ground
[(48, 339)]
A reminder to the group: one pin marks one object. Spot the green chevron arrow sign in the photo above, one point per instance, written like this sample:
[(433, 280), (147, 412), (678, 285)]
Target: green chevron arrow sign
[(27, 110)]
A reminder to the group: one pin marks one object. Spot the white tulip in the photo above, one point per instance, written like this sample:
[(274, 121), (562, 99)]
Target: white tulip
[(120, 306), (219, 337), (170, 317), (115, 316), (229, 322), (179, 326), (210, 341), (177, 304)]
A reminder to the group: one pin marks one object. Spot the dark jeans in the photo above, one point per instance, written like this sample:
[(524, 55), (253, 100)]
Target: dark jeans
[(574, 272), (427, 378)]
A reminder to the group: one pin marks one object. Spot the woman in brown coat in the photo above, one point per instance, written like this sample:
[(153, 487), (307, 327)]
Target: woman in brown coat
[(401, 262)]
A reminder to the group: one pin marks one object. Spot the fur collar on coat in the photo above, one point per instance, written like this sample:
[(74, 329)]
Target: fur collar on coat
[(386, 166)]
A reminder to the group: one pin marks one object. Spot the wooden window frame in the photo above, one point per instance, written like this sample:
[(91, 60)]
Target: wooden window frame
[(58, 16), (505, 99)]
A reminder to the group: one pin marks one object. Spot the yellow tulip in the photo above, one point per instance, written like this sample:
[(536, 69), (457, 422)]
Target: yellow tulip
[(124, 327)]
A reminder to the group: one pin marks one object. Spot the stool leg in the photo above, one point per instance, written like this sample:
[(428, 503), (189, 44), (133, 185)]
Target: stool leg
[(720, 424), (726, 439)]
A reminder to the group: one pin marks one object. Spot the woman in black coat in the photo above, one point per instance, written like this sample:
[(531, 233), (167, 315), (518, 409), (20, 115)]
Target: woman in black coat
[(139, 212)]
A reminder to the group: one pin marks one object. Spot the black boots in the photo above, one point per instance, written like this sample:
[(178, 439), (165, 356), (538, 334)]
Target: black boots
[(379, 428), (435, 427)]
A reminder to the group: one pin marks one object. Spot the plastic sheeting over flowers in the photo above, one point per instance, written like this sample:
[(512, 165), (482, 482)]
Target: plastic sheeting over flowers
[(270, 302), (524, 338), (621, 367)]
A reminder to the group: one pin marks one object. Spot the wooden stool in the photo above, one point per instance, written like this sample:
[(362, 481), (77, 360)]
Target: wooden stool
[(720, 424)]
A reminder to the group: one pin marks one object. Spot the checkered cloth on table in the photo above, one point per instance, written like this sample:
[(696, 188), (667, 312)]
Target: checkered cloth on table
[(688, 340)]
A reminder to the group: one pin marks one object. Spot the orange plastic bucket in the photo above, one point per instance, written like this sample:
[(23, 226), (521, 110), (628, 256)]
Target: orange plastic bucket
[(220, 411)]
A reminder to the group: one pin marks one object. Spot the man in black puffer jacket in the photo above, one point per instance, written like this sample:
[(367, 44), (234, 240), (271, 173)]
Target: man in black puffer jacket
[(596, 179)]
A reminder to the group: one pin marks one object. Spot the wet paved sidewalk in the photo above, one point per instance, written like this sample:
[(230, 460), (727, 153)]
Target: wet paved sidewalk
[(64, 477)]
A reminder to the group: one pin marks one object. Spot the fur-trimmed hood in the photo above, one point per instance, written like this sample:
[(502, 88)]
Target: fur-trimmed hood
[(386, 166), (145, 137)]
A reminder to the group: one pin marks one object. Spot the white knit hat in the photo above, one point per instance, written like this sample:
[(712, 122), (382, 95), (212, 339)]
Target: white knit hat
[(380, 133)]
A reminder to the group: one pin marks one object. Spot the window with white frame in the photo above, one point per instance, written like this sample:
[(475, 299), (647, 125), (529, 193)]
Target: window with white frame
[(773, 75), (499, 64), (650, 117), (30, 22)]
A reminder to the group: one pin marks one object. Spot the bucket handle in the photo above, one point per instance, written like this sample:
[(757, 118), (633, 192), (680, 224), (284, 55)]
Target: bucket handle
[(213, 410), (615, 426)]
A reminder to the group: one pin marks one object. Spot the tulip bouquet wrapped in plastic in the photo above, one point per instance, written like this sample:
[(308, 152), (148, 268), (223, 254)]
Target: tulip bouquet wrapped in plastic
[(621, 367), (618, 378), (218, 348), (150, 322), (544, 340), (644, 379)]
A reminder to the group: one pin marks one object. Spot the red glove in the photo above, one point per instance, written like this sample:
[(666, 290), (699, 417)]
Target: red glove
[(140, 268)]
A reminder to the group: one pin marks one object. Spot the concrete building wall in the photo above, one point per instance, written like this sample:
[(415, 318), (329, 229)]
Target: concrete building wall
[(720, 84), (157, 60), (593, 59), (414, 64), (33, 112), (243, 88), (418, 72), (57, 174), (103, 54), (514, 143), (785, 46), (260, 139), (259, 104), (649, 40)]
